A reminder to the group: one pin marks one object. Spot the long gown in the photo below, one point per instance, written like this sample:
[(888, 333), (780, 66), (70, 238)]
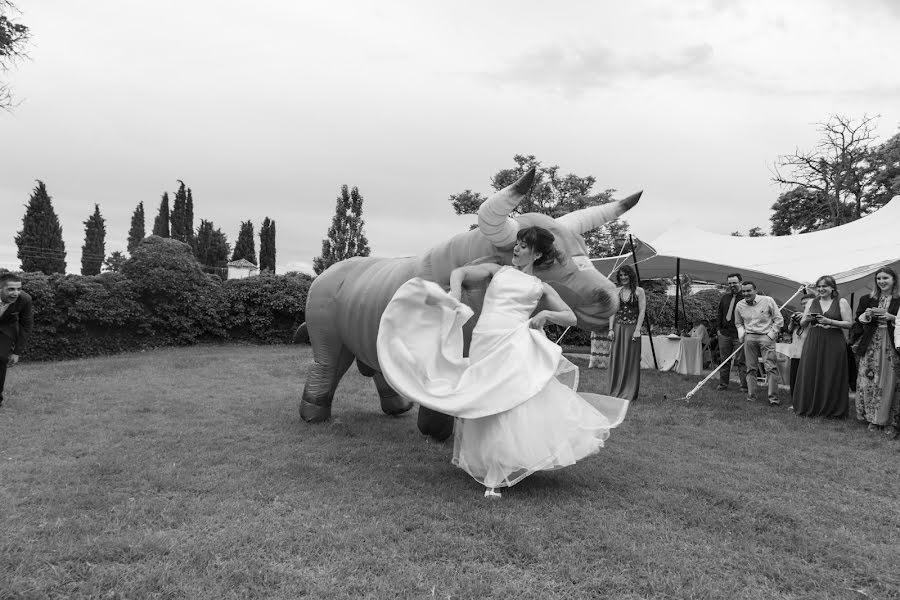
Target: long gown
[(876, 401), (513, 397), (822, 388), (625, 354)]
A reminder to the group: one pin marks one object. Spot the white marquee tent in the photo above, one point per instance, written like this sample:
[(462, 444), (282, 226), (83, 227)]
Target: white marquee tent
[(851, 253)]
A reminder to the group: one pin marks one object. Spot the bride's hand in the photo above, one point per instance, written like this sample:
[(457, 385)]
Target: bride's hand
[(538, 321), (456, 295)]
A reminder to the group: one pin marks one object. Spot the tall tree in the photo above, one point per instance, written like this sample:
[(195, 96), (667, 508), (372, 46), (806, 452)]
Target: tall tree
[(161, 223), (267, 245), (833, 180), (212, 247), (114, 262), (346, 237), (137, 231), (182, 216), (13, 38), (189, 218), (41, 247), (94, 249), (245, 246), (554, 195), (886, 172)]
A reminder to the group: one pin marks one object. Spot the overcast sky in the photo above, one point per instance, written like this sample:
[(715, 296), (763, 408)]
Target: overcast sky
[(265, 109)]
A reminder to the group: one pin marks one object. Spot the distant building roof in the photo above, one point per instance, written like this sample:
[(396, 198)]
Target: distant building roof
[(243, 262)]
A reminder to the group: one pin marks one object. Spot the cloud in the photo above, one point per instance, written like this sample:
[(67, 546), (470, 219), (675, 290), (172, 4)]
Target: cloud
[(579, 69)]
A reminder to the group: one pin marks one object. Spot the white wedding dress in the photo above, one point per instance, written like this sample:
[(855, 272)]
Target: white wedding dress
[(514, 396)]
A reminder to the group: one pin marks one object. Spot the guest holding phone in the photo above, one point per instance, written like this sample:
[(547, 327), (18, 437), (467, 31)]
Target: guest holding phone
[(876, 401), (822, 388)]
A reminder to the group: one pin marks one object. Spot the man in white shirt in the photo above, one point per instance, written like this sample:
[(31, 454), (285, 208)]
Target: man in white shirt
[(758, 322)]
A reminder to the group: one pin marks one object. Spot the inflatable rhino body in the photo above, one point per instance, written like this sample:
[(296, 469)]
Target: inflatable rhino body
[(346, 301)]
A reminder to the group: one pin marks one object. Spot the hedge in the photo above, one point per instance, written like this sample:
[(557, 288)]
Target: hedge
[(161, 298)]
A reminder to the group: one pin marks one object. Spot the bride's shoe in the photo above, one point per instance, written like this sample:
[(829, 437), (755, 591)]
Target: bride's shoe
[(490, 494)]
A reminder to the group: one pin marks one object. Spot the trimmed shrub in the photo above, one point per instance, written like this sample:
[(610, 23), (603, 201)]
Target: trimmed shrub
[(267, 308), (184, 304)]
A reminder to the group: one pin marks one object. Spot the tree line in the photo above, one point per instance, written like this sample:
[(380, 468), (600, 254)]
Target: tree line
[(42, 249)]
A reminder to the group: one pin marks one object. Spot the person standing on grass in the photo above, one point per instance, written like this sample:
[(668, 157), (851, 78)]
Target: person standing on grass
[(727, 336), (758, 321), (16, 323), (798, 336), (625, 333), (876, 402), (823, 387)]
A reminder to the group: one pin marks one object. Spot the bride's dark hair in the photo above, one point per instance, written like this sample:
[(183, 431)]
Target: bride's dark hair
[(539, 240)]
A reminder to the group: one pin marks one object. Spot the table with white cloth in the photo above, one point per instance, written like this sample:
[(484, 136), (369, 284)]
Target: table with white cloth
[(682, 354)]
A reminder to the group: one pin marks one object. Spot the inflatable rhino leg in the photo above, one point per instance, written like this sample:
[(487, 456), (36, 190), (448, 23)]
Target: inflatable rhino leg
[(321, 381), (432, 423), (392, 403)]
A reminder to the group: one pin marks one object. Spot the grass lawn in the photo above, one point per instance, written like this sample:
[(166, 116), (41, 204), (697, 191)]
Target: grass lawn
[(187, 473)]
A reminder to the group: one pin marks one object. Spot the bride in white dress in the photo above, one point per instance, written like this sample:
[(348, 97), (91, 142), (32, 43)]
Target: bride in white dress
[(514, 396)]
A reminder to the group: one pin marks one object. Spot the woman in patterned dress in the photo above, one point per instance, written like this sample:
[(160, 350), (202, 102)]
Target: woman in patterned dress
[(876, 400), (625, 333)]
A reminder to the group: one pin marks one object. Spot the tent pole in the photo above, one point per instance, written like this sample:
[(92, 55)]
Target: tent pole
[(716, 370), (677, 291), (637, 273)]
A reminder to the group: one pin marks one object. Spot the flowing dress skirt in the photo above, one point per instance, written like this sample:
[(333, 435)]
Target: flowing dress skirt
[(822, 388), (555, 428), (875, 398), (624, 363), (514, 397)]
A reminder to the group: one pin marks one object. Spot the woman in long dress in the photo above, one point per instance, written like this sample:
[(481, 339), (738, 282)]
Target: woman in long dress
[(822, 387), (876, 402), (514, 398), (625, 333)]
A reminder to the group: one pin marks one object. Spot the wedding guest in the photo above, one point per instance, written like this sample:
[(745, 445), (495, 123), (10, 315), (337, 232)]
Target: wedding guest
[(876, 401), (700, 332), (758, 321), (727, 337), (16, 323), (625, 333), (822, 388), (798, 336)]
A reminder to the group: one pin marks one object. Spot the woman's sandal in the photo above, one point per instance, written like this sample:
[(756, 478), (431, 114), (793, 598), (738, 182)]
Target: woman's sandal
[(490, 494)]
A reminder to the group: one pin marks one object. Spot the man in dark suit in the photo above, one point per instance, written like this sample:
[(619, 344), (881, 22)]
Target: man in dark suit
[(728, 334), (16, 322)]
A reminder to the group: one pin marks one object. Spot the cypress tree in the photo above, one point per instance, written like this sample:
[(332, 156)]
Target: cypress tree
[(212, 248), (137, 231), (204, 236), (219, 249), (178, 216), (267, 245), (189, 219), (40, 242), (161, 223), (244, 247), (94, 250), (345, 236)]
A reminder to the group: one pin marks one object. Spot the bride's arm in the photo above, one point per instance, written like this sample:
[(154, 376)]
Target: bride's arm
[(460, 274), (559, 312)]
